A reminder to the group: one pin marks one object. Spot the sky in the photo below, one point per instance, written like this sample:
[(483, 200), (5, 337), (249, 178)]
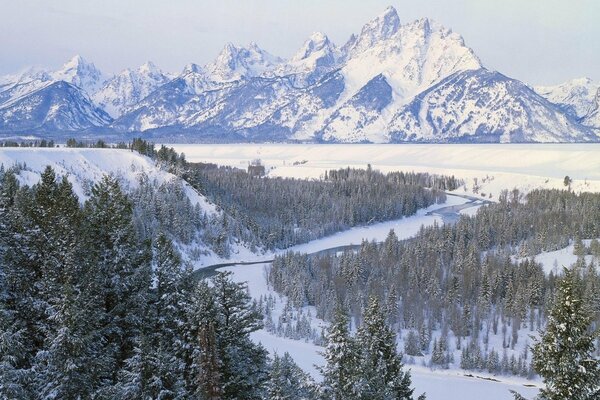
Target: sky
[(536, 41)]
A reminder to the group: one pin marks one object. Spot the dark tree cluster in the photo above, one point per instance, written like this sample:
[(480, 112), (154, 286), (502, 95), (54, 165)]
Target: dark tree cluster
[(26, 143), (282, 212)]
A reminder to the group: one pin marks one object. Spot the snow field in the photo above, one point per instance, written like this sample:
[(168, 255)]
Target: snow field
[(486, 169)]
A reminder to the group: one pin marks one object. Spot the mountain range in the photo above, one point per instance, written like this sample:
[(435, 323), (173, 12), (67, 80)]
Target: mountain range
[(391, 82)]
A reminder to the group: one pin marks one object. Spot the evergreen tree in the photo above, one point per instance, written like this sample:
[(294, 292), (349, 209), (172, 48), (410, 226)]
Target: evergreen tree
[(341, 357), (564, 356), (230, 365), (287, 381), (122, 277), (381, 369)]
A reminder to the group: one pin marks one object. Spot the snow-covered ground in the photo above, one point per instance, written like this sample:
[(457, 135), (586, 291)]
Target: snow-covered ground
[(554, 261), (83, 167), (490, 167), (439, 384)]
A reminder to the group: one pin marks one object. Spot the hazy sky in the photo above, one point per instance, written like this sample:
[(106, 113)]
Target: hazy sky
[(538, 41)]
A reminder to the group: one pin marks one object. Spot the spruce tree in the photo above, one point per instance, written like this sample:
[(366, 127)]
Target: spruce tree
[(381, 370), (228, 364), (341, 356), (564, 356), (287, 381), (122, 276)]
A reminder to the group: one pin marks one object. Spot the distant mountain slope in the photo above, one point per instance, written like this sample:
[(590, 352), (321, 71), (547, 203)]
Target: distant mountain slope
[(576, 97), (366, 90), (484, 106), (57, 106), (128, 88)]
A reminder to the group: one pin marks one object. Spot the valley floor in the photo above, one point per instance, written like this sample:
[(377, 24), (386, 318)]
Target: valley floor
[(438, 384), (486, 169)]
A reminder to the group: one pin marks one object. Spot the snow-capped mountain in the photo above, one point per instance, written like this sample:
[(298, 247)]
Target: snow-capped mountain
[(129, 87), (317, 56), (592, 118), (58, 106), (393, 81), (234, 63), (576, 96), (80, 73), (484, 106)]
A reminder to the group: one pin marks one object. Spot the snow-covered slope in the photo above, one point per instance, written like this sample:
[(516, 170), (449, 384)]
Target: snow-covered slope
[(484, 106), (80, 73), (364, 91), (84, 167), (55, 106), (129, 87), (317, 56), (576, 96), (593, 116), (234, 63)]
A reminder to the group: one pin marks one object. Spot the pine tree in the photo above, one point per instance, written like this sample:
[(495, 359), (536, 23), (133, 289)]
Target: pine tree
[(287, 381), (122, 276), (381, 370), (341, 357), (228, 364), (564, 356)]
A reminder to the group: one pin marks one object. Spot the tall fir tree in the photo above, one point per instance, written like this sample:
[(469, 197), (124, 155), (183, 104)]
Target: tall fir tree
[(230, 365), (381, 370), (341, 358), (564, 357), (122, 278)]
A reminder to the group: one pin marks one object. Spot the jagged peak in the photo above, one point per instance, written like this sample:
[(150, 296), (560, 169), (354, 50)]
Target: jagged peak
[(148, 66), (191, 67), (381, 28), (384, 25), (318, 41)]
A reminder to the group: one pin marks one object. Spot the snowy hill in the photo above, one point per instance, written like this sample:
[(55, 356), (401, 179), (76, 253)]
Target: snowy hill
[(368, 90), (83, 167)]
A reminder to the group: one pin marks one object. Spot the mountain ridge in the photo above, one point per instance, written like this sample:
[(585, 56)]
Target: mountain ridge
[(363, 91)]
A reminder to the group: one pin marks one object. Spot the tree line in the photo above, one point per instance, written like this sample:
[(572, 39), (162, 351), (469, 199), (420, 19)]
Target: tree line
[(470, 287), (282, 212), (92, 309)]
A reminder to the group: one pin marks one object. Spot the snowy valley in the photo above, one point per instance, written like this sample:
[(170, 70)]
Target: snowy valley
[(206, 229)]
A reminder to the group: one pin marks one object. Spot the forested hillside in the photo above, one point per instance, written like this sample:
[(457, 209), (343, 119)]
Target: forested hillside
[(281, 212), (458, 281), (92, 309)]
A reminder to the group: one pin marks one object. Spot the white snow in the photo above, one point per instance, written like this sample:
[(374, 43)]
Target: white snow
[(491, 168), (554, 261)]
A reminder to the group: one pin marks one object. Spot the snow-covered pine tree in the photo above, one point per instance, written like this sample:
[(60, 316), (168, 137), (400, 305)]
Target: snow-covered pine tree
[(381, 370), (341, 357), (228, 364), (564, 356), (287, 381), (15, 348), (122, 280)]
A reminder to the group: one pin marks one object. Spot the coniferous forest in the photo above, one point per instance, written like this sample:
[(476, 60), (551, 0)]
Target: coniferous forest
[(99, 301), (93, 307)]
